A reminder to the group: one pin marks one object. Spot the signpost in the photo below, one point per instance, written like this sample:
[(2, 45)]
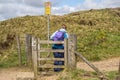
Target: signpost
[(48, 12), (47, 8)]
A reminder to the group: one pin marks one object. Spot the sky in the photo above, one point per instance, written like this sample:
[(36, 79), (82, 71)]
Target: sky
[(15, 8)]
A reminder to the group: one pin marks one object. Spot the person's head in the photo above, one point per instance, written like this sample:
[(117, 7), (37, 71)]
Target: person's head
[(64, 26)]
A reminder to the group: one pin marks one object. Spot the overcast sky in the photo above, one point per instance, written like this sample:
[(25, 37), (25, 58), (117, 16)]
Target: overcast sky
[(14, 8)]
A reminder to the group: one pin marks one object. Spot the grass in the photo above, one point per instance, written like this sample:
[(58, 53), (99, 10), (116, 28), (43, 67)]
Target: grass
[(98, 38), (11, 59), (84, 75), (98, 33), (99, 43), (112, 75)]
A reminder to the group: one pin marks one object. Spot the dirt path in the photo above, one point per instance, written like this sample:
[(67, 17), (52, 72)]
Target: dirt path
[(11, 73), (107, 65)]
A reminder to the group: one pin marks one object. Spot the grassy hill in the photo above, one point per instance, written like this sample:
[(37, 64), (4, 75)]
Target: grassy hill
[(98, 32)]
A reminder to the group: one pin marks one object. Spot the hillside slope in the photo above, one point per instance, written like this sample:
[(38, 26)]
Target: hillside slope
[(98, 31)]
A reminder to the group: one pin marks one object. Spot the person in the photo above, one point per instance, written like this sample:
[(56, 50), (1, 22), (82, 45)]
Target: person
[(59, 35)]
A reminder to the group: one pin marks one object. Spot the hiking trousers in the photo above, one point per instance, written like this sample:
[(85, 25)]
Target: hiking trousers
[(58, 55)]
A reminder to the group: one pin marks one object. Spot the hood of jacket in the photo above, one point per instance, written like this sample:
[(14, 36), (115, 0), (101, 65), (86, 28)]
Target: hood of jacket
[(63, 30)]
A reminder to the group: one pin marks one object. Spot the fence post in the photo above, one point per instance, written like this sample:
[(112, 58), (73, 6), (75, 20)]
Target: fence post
[(35, 55), (119, 68), (72, 43), (19, 50), (66, 52), (29, 50), (118, 77)]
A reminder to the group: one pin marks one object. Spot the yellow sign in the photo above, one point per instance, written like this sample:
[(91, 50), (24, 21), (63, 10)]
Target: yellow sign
[(47, 7)]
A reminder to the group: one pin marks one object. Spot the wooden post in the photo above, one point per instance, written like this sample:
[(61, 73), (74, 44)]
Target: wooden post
[(119, 68), (29, 49), (66, 52), (35, 55), (90, 64), (19, 50), (118, 77), (39, 55), (75, 48), (71, 51)]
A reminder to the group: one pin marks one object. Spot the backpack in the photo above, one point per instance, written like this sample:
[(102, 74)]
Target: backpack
[(59, 36)]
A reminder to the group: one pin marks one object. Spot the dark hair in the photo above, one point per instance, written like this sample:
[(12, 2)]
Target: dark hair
[(64, 26)]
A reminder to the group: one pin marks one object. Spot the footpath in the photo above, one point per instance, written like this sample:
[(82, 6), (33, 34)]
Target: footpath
[(106, 65)]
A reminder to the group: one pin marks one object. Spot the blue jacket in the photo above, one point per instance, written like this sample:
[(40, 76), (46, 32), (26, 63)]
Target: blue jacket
[(65, 36)]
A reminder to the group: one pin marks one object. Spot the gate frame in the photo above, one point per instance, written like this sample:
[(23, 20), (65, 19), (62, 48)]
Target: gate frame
[(69, 51)]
